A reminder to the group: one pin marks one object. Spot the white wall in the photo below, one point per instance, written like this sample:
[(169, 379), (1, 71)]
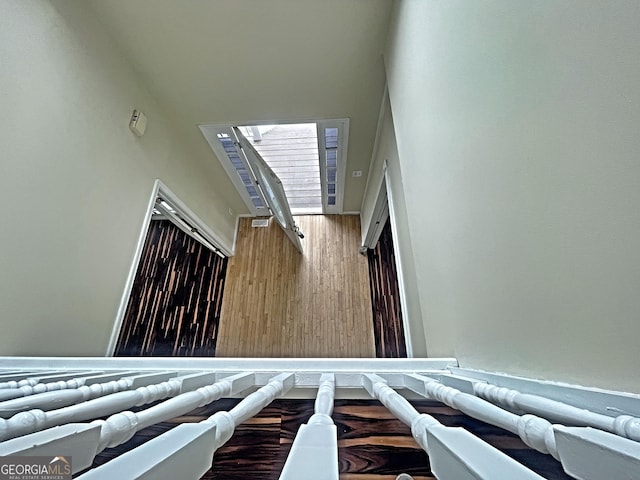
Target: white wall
[(386, 149), (517, 131), (74, 181)]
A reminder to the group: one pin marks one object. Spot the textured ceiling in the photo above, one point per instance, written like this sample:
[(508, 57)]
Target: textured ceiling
[(218, 61)]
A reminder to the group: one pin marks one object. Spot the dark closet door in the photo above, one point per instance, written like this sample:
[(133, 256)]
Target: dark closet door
[(385, 298), (175, 303)]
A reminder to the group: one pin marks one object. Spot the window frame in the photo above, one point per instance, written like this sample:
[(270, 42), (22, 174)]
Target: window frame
[(342, 125), (211, 131)]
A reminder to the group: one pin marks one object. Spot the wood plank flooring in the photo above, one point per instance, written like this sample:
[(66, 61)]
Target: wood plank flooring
[(372, 444), (278, 303)]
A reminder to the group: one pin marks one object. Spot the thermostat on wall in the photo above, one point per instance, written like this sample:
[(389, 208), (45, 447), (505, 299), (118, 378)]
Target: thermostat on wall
[(138, 123)]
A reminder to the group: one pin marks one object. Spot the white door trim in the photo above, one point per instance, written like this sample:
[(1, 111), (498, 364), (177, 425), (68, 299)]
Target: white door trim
[(160, 190), (379, 215), (384, 209), (398, 258)]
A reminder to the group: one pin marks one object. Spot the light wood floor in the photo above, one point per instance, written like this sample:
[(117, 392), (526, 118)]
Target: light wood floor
[(278, 303)]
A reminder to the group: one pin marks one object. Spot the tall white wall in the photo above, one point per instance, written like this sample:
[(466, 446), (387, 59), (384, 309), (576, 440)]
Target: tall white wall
[(517, 131), (74, 181), (386, 150)]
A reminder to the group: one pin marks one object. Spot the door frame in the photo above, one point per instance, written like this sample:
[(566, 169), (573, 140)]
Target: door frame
[(383, 210), (210, 132), (161, 190)]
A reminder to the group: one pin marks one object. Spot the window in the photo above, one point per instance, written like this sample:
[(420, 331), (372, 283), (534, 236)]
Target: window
[(331, 163), (319, 171), (332, 143)]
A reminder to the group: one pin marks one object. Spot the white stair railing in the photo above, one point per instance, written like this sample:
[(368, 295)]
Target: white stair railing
[(534, 431), (624, 425), (21, 379), (120, 427), (76, 390), (454, 453), (585, 452), (35, 420), (45, 407), (34, 387), (186, 452)]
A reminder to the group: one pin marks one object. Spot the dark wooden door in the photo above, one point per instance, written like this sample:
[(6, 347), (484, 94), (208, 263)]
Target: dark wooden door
[(385, 298), (175, 303)]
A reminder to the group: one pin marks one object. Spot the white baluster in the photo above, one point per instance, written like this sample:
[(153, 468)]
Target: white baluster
[(122, 426), (314, 453), (249, 407), (623, 425), (186, 452), (454, 453), (32, 379), (11, 393), (13, 384), (326, 394), (35, 420), (592, 454), (536, 432), (58, 399), (34, 389)]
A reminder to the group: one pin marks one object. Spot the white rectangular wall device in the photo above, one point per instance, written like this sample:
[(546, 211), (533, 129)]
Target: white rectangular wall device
[(138, 123)]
